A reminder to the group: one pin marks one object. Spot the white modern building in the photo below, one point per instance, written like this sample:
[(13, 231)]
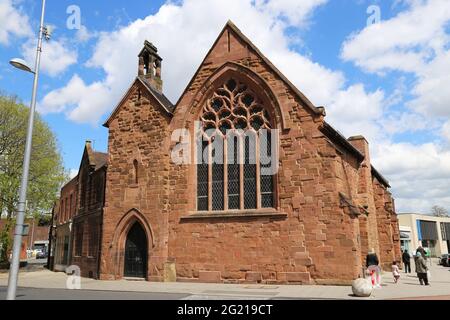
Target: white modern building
[(424, 230)]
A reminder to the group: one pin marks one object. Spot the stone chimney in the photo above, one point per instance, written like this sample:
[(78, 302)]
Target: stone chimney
[(150, 65), (362, 145)]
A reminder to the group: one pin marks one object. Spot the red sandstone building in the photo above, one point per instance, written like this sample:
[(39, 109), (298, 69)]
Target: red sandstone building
[(313, 221), (65, 209), (77, 216)]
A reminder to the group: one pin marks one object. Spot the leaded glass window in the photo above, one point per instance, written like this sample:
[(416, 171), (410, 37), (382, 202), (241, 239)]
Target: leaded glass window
[(266, 178), (250, 172), (202, 177), (230, 175), (217, 181), (233, 167)]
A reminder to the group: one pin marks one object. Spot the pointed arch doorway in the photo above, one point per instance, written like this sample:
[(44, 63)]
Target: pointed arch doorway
[(136, 248)]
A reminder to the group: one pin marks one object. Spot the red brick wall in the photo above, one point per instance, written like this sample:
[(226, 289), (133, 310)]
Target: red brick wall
[(88, 219), (40, 233), (91, 237), (64, 211), (68, 202)]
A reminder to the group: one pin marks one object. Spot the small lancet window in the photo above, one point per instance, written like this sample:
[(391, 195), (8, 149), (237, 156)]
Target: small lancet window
[(136, 171)]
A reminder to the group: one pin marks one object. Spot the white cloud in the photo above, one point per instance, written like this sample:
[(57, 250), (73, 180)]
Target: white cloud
[(73, 173), (306, 74), (446, 131), (419, 174), (55, 59), (86, 97), (404, 42), (400, 122), (432, 88), (12, 22), (355, 111), (296, 12), (83, 34), (411, 42)]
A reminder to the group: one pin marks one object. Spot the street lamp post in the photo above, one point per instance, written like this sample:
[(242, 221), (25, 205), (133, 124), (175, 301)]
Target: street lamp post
[(14, 267)]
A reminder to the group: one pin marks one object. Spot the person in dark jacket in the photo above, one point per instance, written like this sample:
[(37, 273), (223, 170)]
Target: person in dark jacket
[(406, 261), (372, 259), (373, 269), (421, 269)]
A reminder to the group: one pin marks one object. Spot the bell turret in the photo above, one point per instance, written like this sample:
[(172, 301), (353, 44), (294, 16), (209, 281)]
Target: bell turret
[(150, 65)]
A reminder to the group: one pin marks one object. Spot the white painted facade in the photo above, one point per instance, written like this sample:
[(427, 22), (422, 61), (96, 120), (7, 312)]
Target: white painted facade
[(408, 225)]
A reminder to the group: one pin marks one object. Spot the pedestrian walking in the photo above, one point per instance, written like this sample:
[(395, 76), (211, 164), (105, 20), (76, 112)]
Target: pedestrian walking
[(421, 269), (372, 259), (406, 261), (373, 269), (395, 271)]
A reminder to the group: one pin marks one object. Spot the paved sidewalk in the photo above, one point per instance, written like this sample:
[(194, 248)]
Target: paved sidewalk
[(408, 287)]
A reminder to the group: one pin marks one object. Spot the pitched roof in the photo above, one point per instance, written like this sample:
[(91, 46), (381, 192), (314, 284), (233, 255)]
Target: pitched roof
[(232, 26), (70, 181), (159, 96), (339, 139), (101, 159), (96, 159), (380, 178)]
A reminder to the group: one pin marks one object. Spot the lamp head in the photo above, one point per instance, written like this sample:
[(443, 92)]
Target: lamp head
[(20, 64)]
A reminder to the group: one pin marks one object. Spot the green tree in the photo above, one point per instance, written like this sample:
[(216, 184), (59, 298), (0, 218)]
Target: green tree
[(46, 170)]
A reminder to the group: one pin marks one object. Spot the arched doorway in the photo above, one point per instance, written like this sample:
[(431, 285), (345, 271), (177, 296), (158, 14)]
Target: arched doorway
[(135, 264)]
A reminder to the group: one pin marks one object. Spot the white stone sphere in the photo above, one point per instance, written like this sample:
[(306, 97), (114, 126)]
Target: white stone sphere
[(362, 287)]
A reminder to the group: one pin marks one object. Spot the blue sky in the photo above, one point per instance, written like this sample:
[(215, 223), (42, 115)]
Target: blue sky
[(386, 80)]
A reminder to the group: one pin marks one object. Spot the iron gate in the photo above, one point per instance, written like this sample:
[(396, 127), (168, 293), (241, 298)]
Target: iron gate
[(136, 252)]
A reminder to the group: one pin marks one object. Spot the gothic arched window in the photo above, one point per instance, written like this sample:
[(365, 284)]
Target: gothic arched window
[(233, 146)]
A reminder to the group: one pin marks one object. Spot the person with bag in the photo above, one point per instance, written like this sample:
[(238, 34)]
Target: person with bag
[(421, 269)]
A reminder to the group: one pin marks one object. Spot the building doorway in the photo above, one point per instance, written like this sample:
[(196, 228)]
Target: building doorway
[(136, 252)]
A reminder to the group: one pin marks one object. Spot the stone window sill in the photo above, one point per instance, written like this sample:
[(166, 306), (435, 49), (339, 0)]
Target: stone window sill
[(271, 213)]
